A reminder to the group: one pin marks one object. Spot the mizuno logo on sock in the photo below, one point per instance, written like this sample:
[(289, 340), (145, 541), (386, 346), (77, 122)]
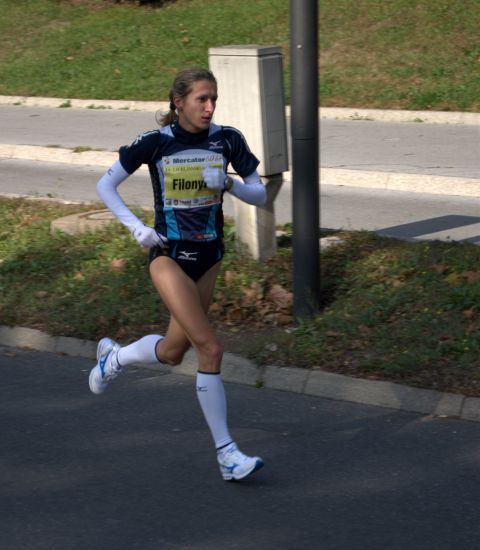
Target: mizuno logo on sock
[(202, 388)]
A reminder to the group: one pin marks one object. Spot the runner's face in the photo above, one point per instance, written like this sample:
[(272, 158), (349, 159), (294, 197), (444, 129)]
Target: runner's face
[(195, 111)]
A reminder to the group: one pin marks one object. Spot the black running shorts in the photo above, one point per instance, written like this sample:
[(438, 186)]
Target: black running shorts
[(194, 258)]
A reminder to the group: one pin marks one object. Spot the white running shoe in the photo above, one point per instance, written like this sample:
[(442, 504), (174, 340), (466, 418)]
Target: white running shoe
[(235, 465), (103, 371)]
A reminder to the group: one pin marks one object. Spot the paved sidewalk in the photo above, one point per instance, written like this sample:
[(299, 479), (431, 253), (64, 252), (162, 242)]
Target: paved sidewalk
[(317, 383)]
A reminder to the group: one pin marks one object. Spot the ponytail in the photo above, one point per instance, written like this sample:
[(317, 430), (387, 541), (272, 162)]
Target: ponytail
[(165, 119)]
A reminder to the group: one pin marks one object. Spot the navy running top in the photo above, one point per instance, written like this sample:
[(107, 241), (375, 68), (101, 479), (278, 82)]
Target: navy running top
[(185, 208)]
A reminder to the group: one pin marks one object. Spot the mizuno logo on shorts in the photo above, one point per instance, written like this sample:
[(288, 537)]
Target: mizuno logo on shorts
[(184, 255)]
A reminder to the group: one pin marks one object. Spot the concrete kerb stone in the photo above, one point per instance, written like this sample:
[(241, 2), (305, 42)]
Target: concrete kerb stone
[(394, 115), (394, 181), (22, 337), (383, 394), (317, 383), (58, 155), (330, 176), (391, 181), (340, 113), (285, 379), (471, 409), (59, 102)]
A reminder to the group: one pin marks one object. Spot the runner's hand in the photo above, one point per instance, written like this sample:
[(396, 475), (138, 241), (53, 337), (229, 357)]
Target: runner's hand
[(214, 178), (147, 236)]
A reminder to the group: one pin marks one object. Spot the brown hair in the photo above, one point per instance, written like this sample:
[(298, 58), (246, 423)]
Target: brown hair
[(181, 87)]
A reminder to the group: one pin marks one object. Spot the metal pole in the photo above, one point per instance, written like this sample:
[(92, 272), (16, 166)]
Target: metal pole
[(305, 157)]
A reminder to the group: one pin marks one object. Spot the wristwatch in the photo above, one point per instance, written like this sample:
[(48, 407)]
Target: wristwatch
[(228, 182)]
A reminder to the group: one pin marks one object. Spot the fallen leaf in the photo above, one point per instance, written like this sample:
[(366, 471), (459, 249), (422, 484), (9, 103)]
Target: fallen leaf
[(214, 308), (235, 314), (117, 264), (284, 319), (228, 277), (471, 276), (253, 294), (468, 313), (271, 347), (91, 298), (101, 321), (440, 268), (472, 328), (453, 278), (121, 333), (281, 297)]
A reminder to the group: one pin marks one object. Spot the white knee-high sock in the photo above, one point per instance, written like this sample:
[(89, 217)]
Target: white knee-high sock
[(211, 395), (141, 351)]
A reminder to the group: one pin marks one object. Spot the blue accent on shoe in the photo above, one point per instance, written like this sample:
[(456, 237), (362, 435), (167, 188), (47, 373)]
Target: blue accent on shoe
[(102, 362), (258, 465), (230, 468)]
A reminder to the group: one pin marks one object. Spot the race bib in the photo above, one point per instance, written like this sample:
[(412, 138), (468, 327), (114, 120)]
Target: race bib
[(184, 184)]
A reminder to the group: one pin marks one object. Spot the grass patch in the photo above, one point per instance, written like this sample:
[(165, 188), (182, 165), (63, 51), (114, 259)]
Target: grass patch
[(402, 311), (94, 283), (107, 50), (394, 310), (81, 149), (409, 54)]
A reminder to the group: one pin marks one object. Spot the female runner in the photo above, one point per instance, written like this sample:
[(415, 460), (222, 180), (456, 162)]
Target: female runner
[(187, 159)]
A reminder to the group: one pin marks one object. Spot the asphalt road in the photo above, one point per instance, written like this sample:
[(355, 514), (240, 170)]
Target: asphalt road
[(407, 147), (135, 468)]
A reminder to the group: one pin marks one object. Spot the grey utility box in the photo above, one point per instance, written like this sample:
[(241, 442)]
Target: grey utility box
[(251, 98)]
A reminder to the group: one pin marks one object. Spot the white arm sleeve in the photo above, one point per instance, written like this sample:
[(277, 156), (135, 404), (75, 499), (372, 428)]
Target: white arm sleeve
[(252, 191), (107, 190)]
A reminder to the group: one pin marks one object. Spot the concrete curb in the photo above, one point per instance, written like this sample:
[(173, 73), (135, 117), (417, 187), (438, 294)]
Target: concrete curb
[(58, 155), (61, 155), (396, 181), (390, 115), (340, 113), (63, 102), (239, 370), (388, 181)]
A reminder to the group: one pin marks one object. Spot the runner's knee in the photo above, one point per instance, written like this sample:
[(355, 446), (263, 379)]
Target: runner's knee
[(211, 350), (171, 356)]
